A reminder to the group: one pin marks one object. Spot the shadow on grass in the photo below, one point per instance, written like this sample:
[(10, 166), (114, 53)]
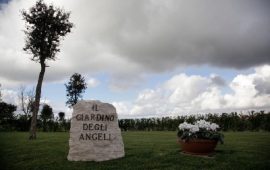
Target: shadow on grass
[(210, 155)]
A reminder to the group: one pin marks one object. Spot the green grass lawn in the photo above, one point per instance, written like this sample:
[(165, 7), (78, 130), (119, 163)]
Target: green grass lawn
[(144, 150)]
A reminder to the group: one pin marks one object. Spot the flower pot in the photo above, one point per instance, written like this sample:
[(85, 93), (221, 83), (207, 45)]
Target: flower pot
[(198, 146)]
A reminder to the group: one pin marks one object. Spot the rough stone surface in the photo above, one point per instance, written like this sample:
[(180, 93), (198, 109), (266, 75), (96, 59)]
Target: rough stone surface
[(94, 133)]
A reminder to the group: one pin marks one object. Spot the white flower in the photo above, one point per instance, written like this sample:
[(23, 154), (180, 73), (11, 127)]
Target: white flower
[(203, 124), (194, 128), (214, 126), (184, 126)]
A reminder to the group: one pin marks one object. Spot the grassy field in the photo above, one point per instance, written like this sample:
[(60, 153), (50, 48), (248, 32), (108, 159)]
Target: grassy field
[(144, 150)]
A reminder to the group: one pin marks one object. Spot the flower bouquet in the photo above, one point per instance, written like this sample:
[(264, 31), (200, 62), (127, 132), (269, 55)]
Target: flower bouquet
[(199, 138)]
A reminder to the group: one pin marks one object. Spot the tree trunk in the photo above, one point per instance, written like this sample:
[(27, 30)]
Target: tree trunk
[(75, 100), (33, 127)]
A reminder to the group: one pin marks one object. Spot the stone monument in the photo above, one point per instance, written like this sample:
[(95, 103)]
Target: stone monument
[(94, 132)]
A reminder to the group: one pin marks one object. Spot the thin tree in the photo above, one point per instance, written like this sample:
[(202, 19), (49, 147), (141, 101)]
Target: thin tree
[(75, 87), (45, 25)]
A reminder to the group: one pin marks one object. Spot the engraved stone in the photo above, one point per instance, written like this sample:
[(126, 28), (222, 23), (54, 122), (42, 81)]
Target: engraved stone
[(94, 132)]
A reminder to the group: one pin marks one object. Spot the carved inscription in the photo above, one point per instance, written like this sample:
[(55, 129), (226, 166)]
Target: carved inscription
[(95, 131)]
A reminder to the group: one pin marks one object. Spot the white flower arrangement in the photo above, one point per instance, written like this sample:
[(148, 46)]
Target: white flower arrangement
[(201, 129), (200, 124)]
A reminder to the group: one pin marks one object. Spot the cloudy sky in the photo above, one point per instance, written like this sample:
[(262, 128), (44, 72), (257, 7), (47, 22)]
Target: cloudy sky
[(149, 57)]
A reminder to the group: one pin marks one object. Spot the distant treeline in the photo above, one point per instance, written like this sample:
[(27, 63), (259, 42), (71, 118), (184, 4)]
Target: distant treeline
[(9, 121), (22, 123), (254, 121)]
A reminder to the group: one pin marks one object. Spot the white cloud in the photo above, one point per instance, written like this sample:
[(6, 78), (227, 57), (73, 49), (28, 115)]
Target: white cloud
[(10, 96), (246, 93), (172, 97), (183, 88), (211, 99), (183, 94), (122, 109), (92, 82), (262, 81)]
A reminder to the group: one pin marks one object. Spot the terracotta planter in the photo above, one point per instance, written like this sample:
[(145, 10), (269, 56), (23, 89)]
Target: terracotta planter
[(198, 146)]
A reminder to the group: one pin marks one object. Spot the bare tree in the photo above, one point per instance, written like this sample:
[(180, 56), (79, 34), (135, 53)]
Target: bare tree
[(45, 25), (27, 99)]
